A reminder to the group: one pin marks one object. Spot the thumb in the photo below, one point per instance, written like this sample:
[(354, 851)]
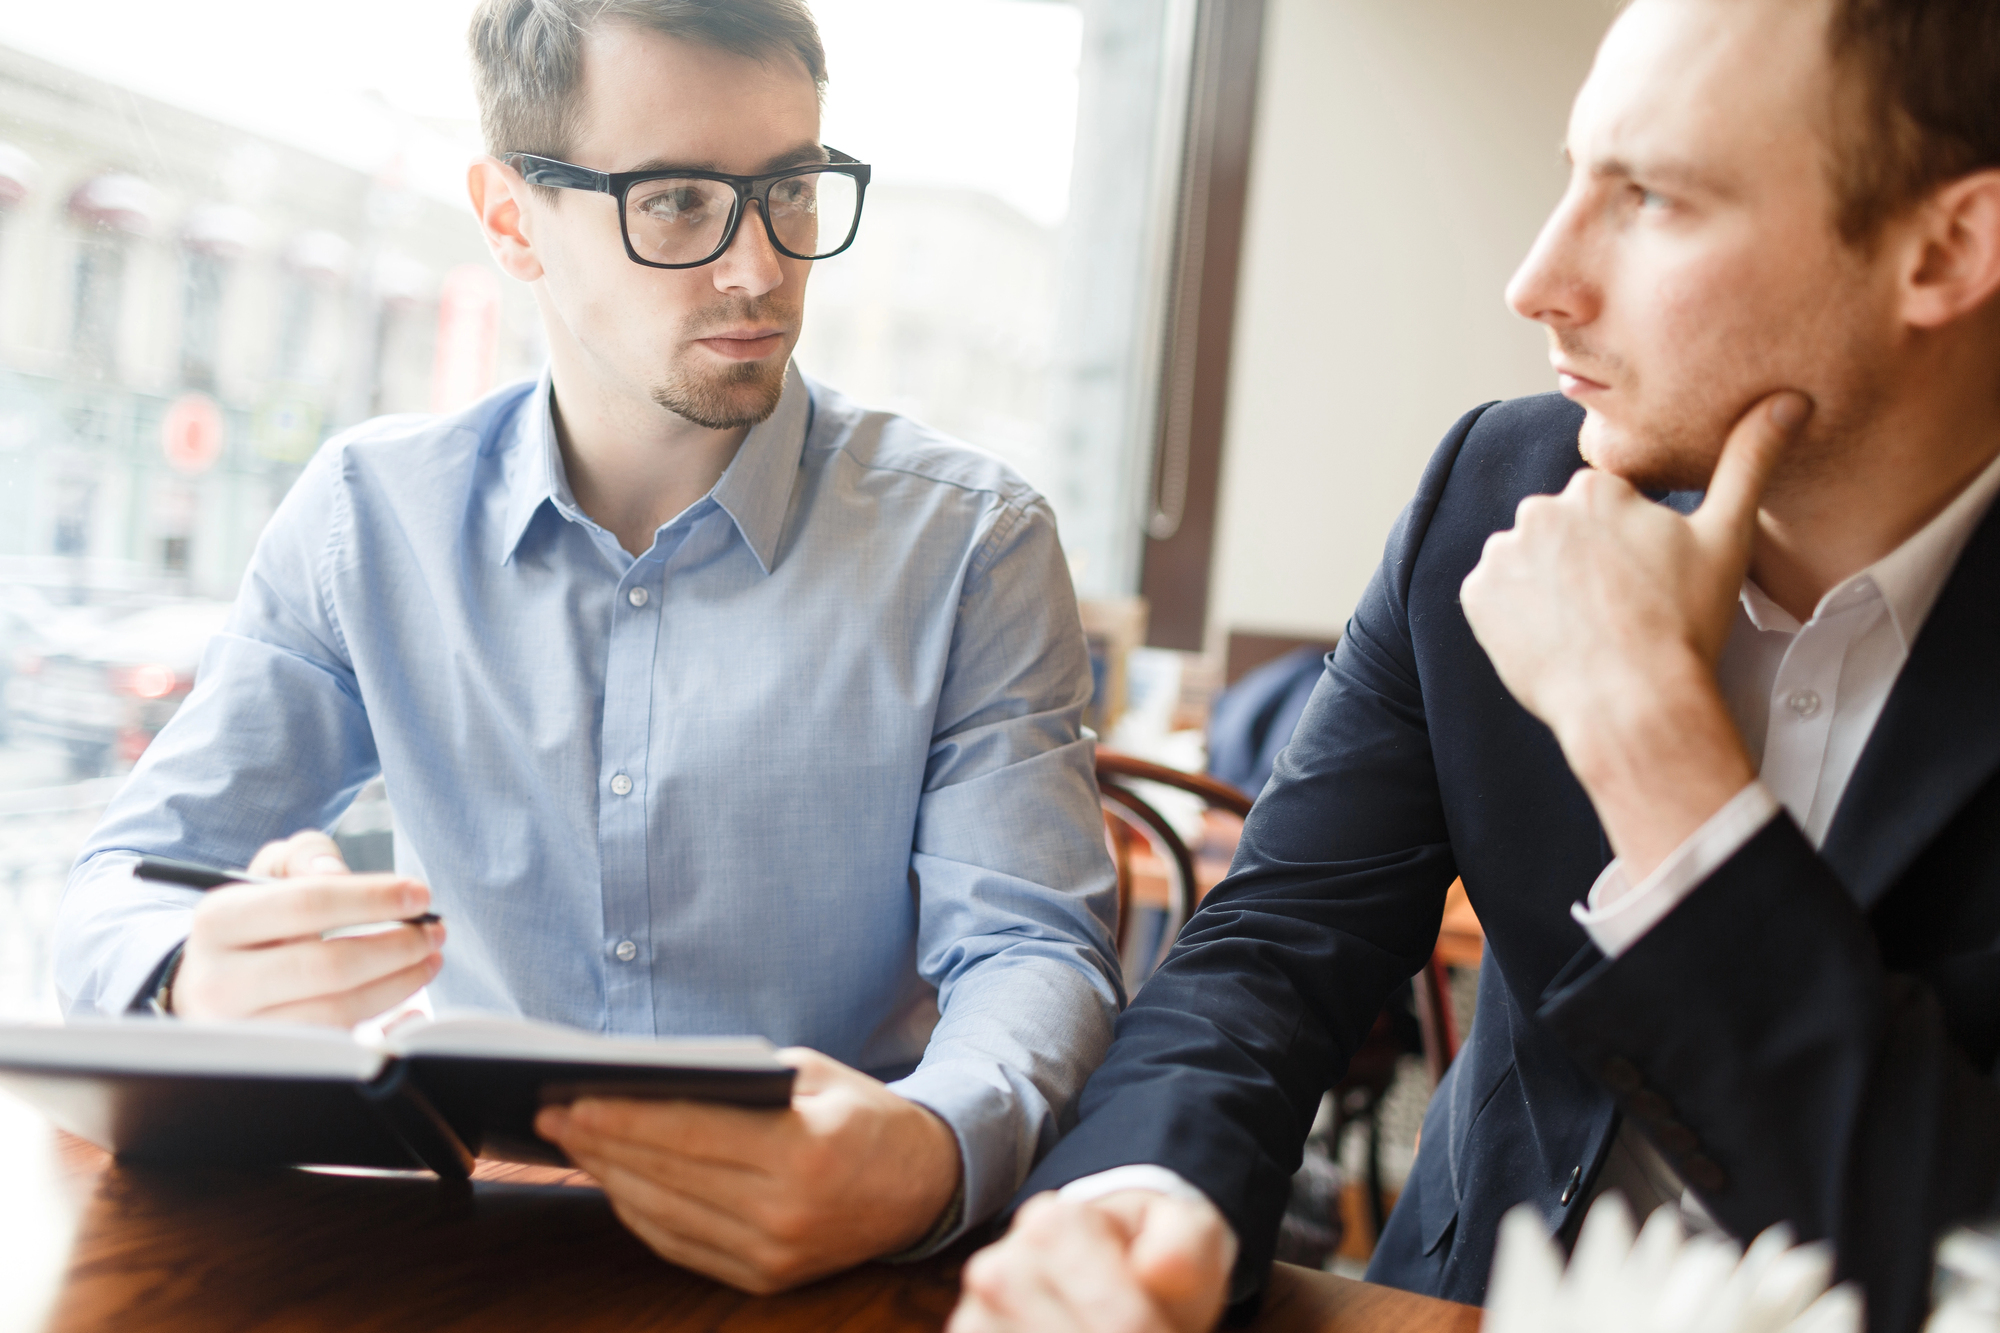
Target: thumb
[(1728, 512), (817, 1072)]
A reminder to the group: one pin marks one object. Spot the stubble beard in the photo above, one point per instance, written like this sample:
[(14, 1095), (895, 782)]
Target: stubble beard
[(743, 393), (1658, 451), (1677, 450)]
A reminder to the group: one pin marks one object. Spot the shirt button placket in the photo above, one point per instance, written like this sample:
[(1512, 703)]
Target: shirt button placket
[(622, 822)]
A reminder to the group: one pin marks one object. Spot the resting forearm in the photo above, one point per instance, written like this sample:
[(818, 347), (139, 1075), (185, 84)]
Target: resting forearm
[(1002, 1087)]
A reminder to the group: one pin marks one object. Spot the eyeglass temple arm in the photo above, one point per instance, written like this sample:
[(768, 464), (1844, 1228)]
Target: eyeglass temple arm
[(561, 175)]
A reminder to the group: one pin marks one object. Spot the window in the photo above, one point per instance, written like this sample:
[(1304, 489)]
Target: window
[(240, 255)]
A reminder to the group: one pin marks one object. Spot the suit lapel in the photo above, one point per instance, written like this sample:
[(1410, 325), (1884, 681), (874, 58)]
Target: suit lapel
[(1938, 738)]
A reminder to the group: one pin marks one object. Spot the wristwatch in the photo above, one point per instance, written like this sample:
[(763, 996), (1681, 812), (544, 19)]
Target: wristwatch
[(953, 1214), (159, 1000)]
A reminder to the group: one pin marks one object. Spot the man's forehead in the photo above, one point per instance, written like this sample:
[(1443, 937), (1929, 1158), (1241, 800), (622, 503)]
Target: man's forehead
[(1702, 90), (649, 100)]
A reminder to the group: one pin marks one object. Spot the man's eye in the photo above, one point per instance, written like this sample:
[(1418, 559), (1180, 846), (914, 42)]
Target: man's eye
[(797, 194), (681, 204), (1651, 198)]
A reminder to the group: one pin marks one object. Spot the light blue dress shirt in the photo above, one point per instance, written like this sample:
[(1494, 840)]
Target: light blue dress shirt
[(810, 767)]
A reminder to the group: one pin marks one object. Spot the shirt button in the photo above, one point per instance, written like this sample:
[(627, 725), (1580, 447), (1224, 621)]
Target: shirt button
[(638, 596), (1803, 703), (621, 785), (626, 951)]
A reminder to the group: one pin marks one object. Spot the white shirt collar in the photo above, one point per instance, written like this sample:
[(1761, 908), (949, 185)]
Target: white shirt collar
[(1908, 579)]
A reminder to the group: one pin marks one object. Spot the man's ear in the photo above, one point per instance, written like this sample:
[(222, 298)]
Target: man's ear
[(498, 195), (1954, 266)]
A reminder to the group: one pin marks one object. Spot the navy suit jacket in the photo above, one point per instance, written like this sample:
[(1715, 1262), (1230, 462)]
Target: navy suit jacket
[(1810, 1036)]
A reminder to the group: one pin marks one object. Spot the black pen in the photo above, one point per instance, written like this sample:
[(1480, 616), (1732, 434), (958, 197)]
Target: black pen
[(166, 870)]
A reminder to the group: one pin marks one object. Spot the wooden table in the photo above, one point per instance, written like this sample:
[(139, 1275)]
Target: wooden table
[(88, 1245)]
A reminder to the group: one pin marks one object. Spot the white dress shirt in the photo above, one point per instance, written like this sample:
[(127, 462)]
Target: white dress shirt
[(1805, 697)]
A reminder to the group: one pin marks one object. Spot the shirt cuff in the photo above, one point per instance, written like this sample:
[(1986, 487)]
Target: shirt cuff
[(1616, 912), (989, 1120), (1141, 1176)]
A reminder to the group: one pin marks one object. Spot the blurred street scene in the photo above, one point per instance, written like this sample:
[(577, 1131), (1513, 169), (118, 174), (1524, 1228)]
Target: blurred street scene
[(186, 311), (241, 228)]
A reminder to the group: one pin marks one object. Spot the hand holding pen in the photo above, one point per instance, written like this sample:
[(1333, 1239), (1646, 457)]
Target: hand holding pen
[(285, 939)]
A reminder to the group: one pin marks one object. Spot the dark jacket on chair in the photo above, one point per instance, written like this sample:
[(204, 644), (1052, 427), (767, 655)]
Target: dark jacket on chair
[(1810, 1036)]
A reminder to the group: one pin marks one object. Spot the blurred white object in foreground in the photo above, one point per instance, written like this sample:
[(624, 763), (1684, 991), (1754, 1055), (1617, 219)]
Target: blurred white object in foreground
[(1968, 1282), (1661, 1281)]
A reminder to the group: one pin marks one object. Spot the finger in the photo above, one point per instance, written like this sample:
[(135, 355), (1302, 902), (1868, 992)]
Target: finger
[(351, 1007), (1084, 1261), (240, 916), (726, 1186), (1182, 1257), (1728, 513), (816, 1072), (1129, 1209), (1009, 1286), (307, 852), (741, 1137), (320, 969), (635, 1193), (690, 1252)]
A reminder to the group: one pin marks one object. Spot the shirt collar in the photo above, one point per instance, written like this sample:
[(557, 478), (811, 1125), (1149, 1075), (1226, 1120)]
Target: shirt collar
[(533, 473), (1908, 579), (755, 490), (1912, 575)]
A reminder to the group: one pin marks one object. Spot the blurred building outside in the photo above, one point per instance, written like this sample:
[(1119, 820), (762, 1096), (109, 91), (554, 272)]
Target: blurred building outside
[(189, 308)]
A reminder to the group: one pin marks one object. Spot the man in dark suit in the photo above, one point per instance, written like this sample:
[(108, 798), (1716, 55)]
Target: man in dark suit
[(1721, 772)]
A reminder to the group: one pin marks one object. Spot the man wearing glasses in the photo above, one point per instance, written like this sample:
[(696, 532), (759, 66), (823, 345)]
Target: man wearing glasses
[(708, 702)]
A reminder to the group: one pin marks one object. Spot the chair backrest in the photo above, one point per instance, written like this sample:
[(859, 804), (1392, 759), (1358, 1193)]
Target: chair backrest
[(1131, 818)]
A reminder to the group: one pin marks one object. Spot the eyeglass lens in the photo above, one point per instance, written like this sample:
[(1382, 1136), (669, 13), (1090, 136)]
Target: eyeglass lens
[(682, 220)]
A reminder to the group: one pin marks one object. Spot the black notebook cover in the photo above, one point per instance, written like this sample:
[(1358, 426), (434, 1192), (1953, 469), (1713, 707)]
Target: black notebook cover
[(427, 1110)]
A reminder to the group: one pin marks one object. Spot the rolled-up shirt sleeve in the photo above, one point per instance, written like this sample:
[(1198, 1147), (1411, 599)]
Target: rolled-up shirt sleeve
[(272, 739), (1016, 892)]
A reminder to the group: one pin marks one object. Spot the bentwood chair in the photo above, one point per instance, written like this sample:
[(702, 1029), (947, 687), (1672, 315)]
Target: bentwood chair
[(1144, 843)]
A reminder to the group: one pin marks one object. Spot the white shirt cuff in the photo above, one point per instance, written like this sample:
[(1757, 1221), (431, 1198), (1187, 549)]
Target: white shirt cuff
[(1615, 913), (1158, 1179)]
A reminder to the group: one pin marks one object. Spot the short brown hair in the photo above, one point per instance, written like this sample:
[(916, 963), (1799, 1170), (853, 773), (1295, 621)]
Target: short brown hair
[(1920, 103), (527, 55)]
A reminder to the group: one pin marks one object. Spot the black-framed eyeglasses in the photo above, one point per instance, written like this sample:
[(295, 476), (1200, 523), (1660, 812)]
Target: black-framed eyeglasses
[(684, 218)]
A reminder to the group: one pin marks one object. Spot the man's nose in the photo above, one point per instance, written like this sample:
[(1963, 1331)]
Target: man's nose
[(1553, 285), (751, 264)]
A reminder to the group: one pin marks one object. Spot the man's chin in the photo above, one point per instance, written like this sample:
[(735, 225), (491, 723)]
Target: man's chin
[(741, 394), (1650, 461)]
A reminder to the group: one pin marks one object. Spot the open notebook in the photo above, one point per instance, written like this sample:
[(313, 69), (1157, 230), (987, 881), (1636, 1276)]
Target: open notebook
[(431, 1094)]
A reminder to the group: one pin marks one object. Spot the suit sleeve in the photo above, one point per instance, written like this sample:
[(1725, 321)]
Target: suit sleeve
[(1334, 898), (1757, 1038)]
